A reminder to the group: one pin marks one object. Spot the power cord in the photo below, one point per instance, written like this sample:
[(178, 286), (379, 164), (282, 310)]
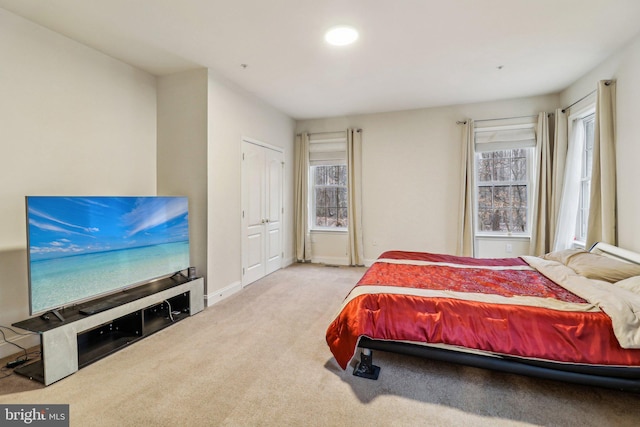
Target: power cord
[(20, 359), (170, 313)]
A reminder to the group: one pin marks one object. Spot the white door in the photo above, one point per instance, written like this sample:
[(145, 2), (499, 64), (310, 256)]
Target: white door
[(253, 192), (262, 173), (274, 166)]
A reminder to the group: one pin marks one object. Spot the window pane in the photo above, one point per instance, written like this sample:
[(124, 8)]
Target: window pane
[(332, 217), (491, 220), (342, 180), (502, 193), (342, 198), (519, 220), (330, 195), (519, 196), (321, 197), (485, 170), (334, 175), (587, 161), (502, 167), (342, 217), (485, 219), (519, 169), (320, 176), (499, 221), (485, 197), (501, 196), (321, 217), (588, 147)]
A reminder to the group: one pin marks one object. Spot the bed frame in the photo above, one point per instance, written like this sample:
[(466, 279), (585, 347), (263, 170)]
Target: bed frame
[(620, 378)]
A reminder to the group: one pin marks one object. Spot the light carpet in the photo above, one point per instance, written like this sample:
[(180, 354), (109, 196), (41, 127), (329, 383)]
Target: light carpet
[(259, 358)]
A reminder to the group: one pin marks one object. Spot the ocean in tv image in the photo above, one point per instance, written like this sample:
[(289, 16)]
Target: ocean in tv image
[(80, 247)]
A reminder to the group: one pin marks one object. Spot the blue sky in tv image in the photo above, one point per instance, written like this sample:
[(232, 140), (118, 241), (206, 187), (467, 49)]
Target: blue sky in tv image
[(81, 247), (65, 226)]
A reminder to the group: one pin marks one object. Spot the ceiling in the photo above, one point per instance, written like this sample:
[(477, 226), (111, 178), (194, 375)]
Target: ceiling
[(410, 54)]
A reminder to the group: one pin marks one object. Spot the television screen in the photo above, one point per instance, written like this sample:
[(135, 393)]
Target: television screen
[(83, 247)]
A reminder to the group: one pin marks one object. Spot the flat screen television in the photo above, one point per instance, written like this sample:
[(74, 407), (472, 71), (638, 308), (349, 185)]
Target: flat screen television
[(80, 248)]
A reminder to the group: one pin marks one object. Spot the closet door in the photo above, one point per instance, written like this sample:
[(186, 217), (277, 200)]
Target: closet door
[(262, 173), (274, 165)]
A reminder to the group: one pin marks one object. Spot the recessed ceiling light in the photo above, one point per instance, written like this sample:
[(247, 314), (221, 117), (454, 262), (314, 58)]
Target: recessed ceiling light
[(341, 35)]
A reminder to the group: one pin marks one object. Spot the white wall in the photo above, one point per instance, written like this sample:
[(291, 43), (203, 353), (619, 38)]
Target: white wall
[(235, 114), (182, 152), (411, 175), (624, 67), (411, 166), (202, 120), (72, 121)]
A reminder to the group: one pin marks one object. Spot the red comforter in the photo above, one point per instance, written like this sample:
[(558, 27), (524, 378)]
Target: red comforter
[(442, 299)]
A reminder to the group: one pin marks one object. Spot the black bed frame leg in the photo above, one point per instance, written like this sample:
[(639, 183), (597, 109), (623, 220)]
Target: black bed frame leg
[(365, 368)]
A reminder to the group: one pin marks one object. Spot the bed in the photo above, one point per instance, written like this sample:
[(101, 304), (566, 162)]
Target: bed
[(570, 315)]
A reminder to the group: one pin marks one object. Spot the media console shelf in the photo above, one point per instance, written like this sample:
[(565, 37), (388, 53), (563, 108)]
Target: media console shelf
[(122, 319)]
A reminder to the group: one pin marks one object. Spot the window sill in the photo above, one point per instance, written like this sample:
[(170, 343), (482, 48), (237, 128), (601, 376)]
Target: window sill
[(503, 236), (328, 231)]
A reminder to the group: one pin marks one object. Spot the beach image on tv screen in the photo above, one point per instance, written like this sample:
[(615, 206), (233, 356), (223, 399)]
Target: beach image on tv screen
[(81, 247)]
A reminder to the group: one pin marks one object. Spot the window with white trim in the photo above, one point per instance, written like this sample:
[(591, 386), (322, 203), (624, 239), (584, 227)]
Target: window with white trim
[(586, 160), (573, 212), (504, 163), (329, 196), (328, 193)]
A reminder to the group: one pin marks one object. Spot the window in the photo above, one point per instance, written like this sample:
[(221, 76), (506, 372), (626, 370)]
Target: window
[(504, 169), (573, 212), (503, 190), (329, 196), (588, 123)]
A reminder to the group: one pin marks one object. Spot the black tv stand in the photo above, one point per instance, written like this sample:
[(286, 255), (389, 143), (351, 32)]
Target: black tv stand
[(93, 330), (97, 308)]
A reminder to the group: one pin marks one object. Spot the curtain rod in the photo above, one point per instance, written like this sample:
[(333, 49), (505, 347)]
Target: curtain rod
[(581, 99), (606, 82), (501, 118), (326, 133)]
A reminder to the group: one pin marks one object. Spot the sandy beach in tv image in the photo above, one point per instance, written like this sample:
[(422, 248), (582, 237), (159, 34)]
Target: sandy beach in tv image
[(80, 247)]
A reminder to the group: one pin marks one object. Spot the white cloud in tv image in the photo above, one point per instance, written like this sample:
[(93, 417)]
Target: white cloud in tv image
[(81, 247)]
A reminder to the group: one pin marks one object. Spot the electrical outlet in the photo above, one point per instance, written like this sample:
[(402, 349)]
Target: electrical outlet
[(508, 248)]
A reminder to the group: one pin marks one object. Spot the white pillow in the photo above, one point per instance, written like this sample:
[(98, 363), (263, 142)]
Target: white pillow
[(562, 256), (595, 266), (631, 284)]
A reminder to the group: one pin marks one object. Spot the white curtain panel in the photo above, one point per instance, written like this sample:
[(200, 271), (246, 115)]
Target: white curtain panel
[(568, 209), (602, 203), (465, 246), (539, 243), (301, 198), (560, 147), (354, 182)]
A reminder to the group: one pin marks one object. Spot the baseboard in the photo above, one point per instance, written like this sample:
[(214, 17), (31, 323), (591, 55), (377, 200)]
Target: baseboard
[(26, 341), (330, 260), (220, 294), (287, 262)]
